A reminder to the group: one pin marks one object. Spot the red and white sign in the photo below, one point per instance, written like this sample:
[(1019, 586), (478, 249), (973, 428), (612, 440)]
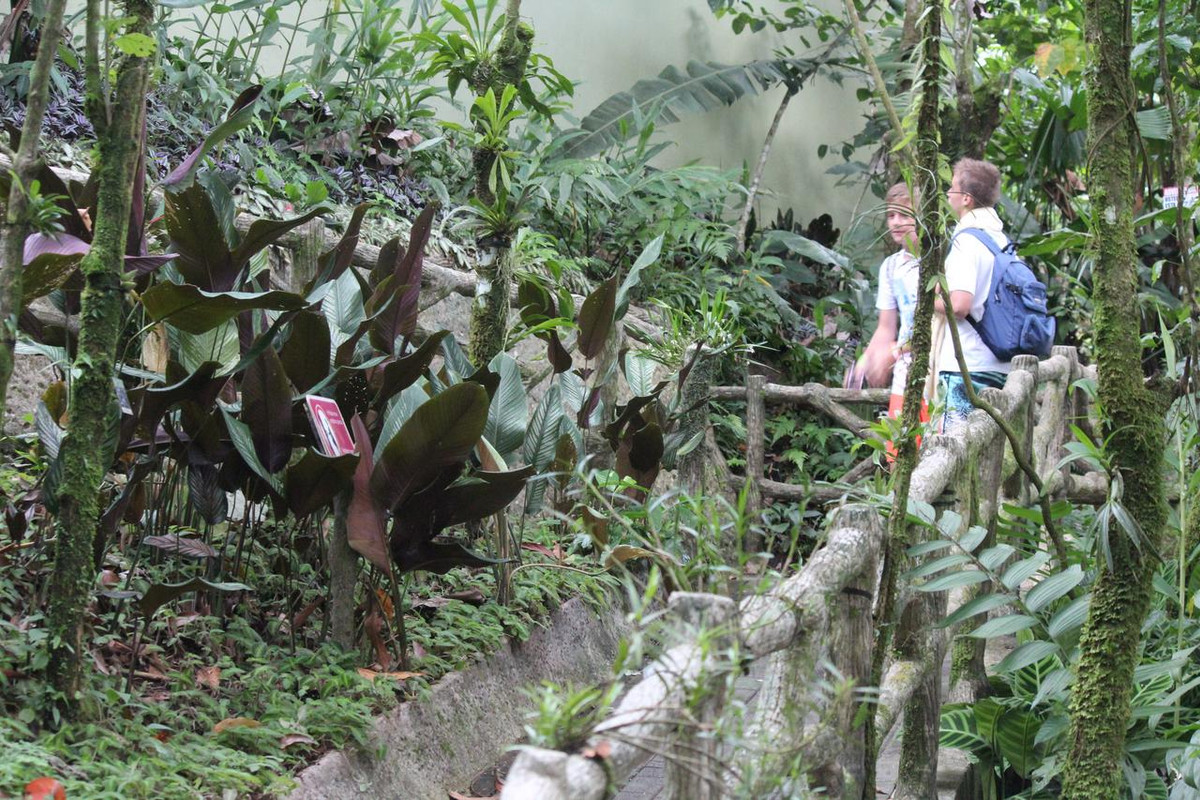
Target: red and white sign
[(1171, 196), (329, 425)]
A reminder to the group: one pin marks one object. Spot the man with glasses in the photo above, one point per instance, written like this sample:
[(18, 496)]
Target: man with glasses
[(973, 194)]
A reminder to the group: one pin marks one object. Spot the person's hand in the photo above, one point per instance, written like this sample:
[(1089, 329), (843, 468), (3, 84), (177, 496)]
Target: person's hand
[(879, 363)]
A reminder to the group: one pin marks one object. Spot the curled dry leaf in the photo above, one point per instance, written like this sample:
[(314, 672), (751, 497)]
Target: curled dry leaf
[(235, 722), (296, 739), (209, 677)]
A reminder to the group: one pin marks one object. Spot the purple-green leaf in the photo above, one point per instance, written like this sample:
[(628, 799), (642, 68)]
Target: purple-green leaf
[(194, 310), (365, 519), (313, 481), (440, 433), (596, 318), (267, 410)]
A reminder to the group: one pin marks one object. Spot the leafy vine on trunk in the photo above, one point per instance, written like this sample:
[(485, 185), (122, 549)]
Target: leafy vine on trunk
[(1109, 645), (93, 415), (25, 167)]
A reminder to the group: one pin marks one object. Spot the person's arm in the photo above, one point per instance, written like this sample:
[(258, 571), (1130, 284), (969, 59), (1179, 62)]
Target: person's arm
[(960, 301), (880, 355)]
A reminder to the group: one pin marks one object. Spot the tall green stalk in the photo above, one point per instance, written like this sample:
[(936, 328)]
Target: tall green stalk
[(15, 226), (87, 449), (1133, 424)]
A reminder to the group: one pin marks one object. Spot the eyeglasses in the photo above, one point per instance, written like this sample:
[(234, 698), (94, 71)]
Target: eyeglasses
[(956, 191)]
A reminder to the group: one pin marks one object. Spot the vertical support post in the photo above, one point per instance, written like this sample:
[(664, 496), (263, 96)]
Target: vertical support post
[(1016, 486), (851, 640), (756, 433), (343, 576), (694, 396), (693, 768), (916, 642), (1066, 416), (306, 253)]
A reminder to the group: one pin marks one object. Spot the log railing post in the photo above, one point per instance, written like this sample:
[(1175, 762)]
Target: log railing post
[(917, 641), (756, 433), (694, 396), (1016, 485), (694, 769)]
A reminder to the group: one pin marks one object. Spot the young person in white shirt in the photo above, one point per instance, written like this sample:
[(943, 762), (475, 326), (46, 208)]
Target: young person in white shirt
[(973, 194), (888, 353)]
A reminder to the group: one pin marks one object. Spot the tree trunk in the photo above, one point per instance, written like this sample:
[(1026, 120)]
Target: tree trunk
[(25, 167), (87, 449), (1100, 700), (489, 313), (933, 252)]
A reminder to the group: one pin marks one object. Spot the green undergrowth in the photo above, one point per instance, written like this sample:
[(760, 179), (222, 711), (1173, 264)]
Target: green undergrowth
[(239, 716)]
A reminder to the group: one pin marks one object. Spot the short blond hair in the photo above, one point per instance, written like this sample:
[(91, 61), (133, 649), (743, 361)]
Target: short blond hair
[(898, 194), (980, 179)]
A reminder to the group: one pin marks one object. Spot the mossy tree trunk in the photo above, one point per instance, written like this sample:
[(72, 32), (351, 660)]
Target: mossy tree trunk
[(1100, 700), (489, 313), (87, 449), (928, 189), (15, 226)]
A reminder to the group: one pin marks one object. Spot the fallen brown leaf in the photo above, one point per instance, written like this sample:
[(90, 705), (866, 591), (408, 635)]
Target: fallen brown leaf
[(293, 739), (235, 722), (209, 677)]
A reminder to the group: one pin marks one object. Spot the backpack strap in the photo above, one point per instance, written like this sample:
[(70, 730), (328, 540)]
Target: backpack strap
[(995, 250)]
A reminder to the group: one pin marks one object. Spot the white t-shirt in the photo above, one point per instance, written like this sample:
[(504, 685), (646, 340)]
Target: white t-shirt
[(969, 269), (898, 289)]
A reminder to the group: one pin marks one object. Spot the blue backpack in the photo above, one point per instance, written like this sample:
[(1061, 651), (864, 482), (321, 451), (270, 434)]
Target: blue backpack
[(1015, 319)]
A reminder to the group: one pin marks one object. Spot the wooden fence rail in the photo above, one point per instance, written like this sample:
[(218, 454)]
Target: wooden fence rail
[(821, 616)]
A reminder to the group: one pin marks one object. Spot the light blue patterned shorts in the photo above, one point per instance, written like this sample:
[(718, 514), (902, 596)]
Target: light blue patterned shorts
[(954, 394)]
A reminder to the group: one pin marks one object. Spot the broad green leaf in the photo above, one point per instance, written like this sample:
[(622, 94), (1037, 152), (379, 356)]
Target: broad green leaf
[(1016, 733), (195, 311), (241, 114), (808, 248), (398, 410), (994, 557), (698, 87), (639, 374), (138, 45), (244, 443), (1023, 570), (1054, 687), (924, 548), (305, 354), (1052, 588), (1003, 626), (508, 412), (264, 232), (159, 594), (972, 538), (343, 307), (1070, 618), (441, 433), (648, 257), (1024, 655), (949, 524), (596, 318), (954, 580), (312, 482), (480, 495), (937, 565), (267, 410), (957, 730), (979, 605), (541, 442)]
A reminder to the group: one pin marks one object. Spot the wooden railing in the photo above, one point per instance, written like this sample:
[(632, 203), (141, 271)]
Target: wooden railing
[(817, 624)]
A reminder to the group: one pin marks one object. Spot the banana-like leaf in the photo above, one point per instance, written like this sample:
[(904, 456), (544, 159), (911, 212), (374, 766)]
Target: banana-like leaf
[(508, 412), (1154, 123), (541, 443), (399, 409), (439, 434), (365, 529), (305, 354), (336, 261), (198, 235), (205, 494), (696, 88), (312, 482), (264, 232), (196, 311), (243, 441), (159, 594), (267, 410), (596, 318), (241, 114), (479, 495), (404, 372), (398, 296)]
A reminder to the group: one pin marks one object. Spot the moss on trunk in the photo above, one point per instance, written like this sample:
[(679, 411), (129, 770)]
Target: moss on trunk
[(489, 311), (15, 226), (91, 432), (1100, 700)]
